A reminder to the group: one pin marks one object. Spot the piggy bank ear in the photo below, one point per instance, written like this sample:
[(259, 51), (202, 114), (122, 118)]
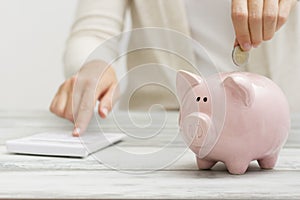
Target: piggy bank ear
[(185, 81), (241, 88)]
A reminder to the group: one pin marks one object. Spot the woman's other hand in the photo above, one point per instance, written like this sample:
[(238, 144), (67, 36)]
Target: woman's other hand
[(255, 21)]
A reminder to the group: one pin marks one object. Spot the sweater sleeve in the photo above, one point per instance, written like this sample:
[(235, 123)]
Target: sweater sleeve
[(96, 21)]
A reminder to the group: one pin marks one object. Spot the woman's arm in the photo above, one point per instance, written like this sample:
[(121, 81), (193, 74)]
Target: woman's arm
[(95, 22)]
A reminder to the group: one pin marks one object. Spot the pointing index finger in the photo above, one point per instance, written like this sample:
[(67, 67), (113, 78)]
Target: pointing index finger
[(85, 112)]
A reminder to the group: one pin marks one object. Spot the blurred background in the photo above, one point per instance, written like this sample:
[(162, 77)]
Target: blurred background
[(32, 41), (31, 48)]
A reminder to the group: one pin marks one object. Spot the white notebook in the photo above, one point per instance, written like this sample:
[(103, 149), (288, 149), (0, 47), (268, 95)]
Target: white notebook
[(62, 143)]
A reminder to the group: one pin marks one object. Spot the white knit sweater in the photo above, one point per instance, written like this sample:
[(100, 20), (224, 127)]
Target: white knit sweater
[(99, 20)]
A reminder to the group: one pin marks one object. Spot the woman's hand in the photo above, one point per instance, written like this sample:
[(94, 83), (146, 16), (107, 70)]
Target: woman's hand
[(76, 98), (255, 21)]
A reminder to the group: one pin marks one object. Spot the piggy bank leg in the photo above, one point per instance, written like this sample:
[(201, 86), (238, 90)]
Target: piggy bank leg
[(237, 167), (205, 164), (268, 162)]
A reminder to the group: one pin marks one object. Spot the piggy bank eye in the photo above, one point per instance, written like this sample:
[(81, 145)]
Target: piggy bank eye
[(205, 99), (198, 99)]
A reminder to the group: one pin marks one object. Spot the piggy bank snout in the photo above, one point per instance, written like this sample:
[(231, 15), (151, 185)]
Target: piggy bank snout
[(194, 129)]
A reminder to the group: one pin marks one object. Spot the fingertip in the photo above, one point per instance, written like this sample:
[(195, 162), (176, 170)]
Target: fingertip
[(104, 108), (106, 102), (76, 132), (255, 45), (99, 109), (236, 43), (246, 46), (103, 111)]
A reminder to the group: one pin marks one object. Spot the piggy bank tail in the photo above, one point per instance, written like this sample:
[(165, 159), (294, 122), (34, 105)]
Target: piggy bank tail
[(199, 133)]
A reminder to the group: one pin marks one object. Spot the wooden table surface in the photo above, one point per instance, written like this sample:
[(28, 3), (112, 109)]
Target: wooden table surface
[(41, 177)]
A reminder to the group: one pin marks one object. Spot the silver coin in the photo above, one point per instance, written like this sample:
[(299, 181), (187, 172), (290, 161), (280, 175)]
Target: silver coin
[(240, 57)]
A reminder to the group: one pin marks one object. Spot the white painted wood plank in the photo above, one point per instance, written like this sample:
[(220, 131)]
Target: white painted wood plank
[(11, 132), (17, 125), (159, 185), (289, 159), (50, 177)]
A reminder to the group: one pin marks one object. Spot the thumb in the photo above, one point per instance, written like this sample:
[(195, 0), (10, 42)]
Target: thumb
[(236, 43)]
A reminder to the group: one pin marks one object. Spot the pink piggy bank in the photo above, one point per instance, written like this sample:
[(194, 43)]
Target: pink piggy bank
[(254, 125)]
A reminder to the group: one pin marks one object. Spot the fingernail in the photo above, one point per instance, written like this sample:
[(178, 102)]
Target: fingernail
[(247, 47), (105, 111), (76, 132)]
